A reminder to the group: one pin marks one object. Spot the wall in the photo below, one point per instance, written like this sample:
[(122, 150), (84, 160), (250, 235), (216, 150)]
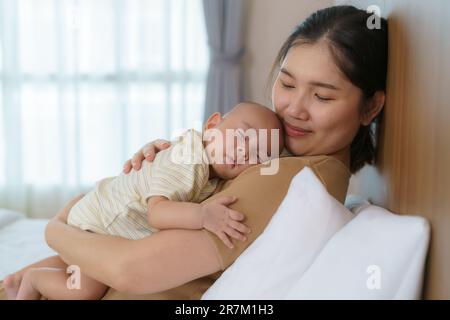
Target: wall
[(268, 24), (413, 176)]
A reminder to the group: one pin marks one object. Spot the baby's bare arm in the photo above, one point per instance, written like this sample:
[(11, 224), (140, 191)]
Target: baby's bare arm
[(214, 216), (165, 214)]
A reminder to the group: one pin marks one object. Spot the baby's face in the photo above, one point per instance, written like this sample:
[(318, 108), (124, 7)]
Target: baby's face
[(242, 139)]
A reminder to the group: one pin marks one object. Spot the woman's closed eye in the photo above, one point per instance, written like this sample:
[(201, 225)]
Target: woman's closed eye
[(318, 97), (286, 85), (322, 98)]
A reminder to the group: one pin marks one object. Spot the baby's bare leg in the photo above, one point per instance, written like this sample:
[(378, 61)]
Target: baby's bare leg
[(12, 281), (52, 284)]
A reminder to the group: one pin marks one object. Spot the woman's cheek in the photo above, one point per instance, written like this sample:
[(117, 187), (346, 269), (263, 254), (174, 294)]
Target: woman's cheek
[(338, 126), (280, 101)]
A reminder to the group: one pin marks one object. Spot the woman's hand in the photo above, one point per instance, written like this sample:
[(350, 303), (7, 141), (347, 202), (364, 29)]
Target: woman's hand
[(147, 152), (223, 221)]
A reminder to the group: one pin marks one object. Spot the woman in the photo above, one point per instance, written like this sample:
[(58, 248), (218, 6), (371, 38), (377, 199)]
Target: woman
[(329, 87)]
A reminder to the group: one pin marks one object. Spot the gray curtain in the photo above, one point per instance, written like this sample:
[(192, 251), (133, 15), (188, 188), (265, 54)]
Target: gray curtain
[(223, 19)]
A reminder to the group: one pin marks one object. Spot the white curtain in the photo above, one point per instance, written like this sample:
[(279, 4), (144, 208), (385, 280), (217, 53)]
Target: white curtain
[(224, 26), (84, 83)]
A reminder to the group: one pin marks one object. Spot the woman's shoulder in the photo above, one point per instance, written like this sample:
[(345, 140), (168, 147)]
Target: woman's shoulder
[(332, 173), (319, 163), (322, 159)]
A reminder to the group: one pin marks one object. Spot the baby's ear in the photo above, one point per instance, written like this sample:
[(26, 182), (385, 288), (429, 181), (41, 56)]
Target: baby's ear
[(213, 120)]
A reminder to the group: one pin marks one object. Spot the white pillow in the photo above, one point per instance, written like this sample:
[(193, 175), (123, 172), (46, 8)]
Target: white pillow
[(306, 219), (9, 216), (378, 255)]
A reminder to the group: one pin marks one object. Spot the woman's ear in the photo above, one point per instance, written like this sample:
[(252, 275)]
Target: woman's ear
[(213, 120), (374, 107)]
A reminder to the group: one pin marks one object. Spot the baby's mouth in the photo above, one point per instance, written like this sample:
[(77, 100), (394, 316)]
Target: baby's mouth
[(230, 162)]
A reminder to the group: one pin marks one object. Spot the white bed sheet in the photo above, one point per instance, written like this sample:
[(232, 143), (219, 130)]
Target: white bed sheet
[(21, 241)]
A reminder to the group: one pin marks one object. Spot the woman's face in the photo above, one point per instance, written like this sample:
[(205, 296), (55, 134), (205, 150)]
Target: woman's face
[(318, 105)]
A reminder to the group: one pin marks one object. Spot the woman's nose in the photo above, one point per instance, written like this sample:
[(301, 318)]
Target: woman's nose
[(297, 109)]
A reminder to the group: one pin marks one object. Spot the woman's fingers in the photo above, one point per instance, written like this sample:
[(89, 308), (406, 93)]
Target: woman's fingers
[(147, 152), (235, 234), (222, 236), (239, 226), (127, 167), (137, 159), (151, 149), (161, 144)]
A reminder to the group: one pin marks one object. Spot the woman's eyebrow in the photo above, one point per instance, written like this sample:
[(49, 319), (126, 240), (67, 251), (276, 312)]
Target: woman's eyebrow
[(283, 70), (313, 83), (323, 85)]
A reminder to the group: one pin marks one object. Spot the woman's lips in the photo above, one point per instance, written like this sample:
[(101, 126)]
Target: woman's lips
[(295, 131)]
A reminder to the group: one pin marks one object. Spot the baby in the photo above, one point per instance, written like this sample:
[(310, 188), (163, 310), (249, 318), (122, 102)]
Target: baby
[(166, 194)]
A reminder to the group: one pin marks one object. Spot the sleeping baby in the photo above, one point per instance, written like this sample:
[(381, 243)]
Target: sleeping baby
[(166, 194)]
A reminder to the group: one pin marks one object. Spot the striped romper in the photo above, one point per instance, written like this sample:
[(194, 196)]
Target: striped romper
[(118, 205)]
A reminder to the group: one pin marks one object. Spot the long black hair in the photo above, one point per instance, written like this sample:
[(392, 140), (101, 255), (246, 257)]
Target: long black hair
[(360, 52)]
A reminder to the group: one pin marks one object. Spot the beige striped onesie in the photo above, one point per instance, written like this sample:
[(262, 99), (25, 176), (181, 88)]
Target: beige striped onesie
[(118, 205)]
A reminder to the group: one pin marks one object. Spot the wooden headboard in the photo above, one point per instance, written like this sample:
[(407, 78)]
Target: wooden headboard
[(412, 174)]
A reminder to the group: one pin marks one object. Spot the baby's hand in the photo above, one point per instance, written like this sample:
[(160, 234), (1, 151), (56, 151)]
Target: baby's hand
[(223, 221)]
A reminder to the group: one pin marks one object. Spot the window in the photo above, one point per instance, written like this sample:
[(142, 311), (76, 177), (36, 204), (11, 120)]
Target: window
[(85, 83)]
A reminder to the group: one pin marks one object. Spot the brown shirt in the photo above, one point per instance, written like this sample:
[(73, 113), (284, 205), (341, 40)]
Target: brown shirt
[(258, 198)]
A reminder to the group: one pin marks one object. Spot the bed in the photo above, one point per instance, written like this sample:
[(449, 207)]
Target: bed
[(332, 253), (412, 175), (21, 241)]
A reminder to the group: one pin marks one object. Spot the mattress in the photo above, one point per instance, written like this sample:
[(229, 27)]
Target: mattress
[(21, 241)]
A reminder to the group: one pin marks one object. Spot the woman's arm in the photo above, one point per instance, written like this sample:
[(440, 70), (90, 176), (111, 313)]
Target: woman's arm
[(125, 263), (148, 265), (170, 258)]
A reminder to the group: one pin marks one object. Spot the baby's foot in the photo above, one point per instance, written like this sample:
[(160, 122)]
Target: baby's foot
[(12, 284), (26, 289)]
